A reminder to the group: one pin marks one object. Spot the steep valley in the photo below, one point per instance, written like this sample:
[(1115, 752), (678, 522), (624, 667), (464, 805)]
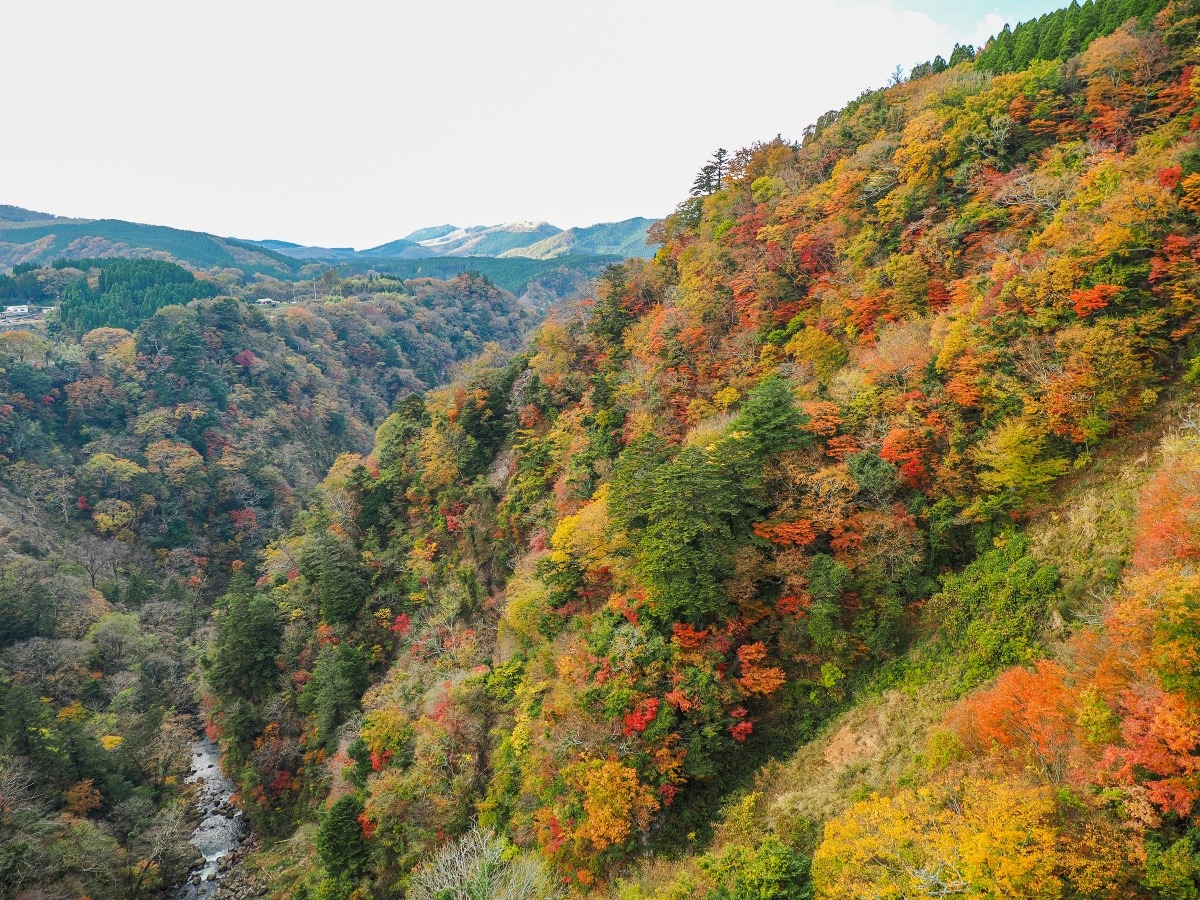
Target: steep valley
[(843, 548)]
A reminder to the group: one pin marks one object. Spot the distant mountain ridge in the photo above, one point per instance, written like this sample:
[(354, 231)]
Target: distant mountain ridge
[(29, 236), (534, 260), (626, 238), (12, 214), (533, 240), (40, 240), (485, 240)]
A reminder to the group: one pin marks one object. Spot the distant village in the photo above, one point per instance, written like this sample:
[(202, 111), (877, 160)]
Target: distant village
[(21, 315), (26, 315)]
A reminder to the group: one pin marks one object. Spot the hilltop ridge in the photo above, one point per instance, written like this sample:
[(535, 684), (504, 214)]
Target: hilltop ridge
[(29, 237)]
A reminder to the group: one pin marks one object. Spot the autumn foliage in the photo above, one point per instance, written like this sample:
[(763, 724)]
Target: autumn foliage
[(578, 592)]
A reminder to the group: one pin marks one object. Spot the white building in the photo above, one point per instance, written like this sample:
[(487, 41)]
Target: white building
[(23, 310)]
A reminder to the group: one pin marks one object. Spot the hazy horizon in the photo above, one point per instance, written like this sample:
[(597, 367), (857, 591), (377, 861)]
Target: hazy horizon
[(354, 127)]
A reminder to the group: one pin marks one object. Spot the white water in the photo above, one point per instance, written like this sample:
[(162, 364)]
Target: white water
[(222, 828)]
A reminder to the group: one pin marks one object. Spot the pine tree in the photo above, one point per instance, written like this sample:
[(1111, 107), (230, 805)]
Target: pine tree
[(1069, 38), (771, 417), (1025, 42), (340, 843), (331, 566), (1050, 36), (712, 174), (335, 688), (962, 53), (1089, 24), (1111, 17), (997, 56), (242, 660), (706, 181)]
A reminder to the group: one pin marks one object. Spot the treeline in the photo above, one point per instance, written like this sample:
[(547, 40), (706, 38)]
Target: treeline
[(514, 274), (126, 292), (1063, 33)]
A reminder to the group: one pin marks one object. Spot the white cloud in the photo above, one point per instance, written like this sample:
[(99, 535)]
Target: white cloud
[(991, 25), (357, 122)]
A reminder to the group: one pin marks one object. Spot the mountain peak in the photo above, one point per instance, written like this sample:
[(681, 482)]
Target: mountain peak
[(428, 234)]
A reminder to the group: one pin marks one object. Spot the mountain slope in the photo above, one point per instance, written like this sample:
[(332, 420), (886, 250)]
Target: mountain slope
[(534, 240), (10, 215), (146, 443), (426, 234), (783, 467), (483, 240), (45, 242), (31, 238), (624, 239)]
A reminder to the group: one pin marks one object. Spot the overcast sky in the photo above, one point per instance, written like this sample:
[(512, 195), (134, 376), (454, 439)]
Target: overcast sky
[(348, 124)]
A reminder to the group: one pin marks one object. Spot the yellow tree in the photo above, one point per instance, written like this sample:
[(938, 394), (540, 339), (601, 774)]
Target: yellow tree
[(614, 801), (1010, 463), (981, 838)]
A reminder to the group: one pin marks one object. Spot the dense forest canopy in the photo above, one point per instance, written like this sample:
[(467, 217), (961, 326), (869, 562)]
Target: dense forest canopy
[(139, 462), (843, 549), (126, 292)]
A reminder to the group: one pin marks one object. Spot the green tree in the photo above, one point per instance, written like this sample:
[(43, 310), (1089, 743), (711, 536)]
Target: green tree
[(241, 662), (1173, 872), (333, 692), (340, 843), (696, 509), (609, 317), (1025, 44), (770, 871), (771, 417), (875, 477), (635, 474), (1050, 36), (330, 563), (1012, 465), (712, 174), (962, 53)]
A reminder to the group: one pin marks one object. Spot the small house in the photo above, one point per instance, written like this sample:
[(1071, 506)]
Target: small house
[(266, 301), (22, 310)]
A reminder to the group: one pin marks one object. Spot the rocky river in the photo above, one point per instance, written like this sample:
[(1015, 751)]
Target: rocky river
[(220, 830)]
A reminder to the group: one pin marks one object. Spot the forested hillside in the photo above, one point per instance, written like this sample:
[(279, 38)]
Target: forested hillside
[(798, 562), (41, 242), (845, 548), (139, 463)]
